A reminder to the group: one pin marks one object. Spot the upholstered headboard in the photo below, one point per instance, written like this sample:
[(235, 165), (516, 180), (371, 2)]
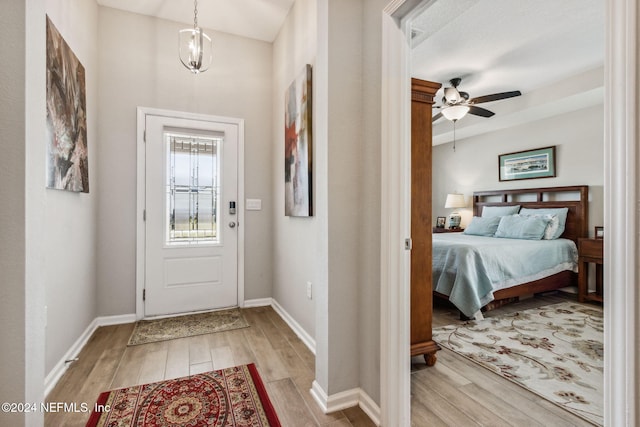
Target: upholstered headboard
[(576, 198)]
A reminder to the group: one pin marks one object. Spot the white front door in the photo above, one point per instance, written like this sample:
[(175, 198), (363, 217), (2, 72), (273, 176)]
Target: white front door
[(191, 240)]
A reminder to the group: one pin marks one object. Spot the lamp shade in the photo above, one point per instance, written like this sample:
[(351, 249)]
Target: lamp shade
[(455, 112), (455, 201)]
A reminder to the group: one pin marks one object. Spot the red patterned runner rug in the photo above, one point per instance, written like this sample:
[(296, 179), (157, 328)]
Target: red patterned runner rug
[(227, 397)]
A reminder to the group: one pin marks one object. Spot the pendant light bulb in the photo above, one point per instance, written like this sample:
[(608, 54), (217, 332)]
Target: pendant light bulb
[(195, 47)]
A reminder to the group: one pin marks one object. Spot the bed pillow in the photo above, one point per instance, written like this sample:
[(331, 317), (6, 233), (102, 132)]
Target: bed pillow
[(560, 212), (552, 227), (522, 227), (482, 226), (491, 211)]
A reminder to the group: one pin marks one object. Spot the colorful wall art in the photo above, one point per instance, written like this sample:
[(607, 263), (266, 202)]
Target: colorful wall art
[(298, 200), (67, 159)]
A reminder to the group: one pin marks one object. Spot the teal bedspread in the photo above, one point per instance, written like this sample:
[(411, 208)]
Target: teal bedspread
[(469, 268)]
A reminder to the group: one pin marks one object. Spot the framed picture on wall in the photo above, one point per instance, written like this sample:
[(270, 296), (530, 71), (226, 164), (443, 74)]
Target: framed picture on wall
[(530, 164), (298, 146)]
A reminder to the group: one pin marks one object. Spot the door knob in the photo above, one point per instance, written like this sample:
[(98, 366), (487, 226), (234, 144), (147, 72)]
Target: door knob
[(232, 224)]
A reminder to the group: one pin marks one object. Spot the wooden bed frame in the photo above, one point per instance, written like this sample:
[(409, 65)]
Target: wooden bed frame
[(576, 198)]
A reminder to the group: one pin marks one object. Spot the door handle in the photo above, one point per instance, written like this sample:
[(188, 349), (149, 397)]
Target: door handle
[(232, 224)]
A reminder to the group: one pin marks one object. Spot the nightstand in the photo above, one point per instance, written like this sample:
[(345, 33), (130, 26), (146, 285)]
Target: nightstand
[(589, 251), (447, 230)]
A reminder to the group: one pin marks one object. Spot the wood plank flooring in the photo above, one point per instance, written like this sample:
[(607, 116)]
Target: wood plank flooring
[(457, 392), (454, 392), (285, 364)]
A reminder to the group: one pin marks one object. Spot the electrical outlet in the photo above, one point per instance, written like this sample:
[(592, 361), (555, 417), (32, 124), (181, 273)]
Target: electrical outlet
[(309, 290)]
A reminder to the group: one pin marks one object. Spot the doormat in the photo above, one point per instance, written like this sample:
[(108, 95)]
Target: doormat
[(169, 328), (226, 397), (554, 351)]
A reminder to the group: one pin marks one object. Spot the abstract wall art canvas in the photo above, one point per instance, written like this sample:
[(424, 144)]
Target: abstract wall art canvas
[(297, 146), (67, 158)]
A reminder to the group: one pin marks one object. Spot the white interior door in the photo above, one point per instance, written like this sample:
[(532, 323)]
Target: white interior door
[(191, 241)]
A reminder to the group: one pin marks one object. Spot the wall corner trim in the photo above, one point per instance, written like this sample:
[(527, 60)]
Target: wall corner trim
[(346, 399)]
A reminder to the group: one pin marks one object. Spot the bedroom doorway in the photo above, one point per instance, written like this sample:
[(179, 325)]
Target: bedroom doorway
[(621, 83), (190, 209)]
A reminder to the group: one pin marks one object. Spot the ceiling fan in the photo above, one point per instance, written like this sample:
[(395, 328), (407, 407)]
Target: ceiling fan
[(456, 104)]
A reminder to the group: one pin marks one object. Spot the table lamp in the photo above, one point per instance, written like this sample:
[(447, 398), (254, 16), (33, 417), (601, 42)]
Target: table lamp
[(455, 201)]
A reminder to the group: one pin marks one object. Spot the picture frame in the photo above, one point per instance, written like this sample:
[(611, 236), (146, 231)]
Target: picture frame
[(298, 146), (441, 221), (599, 232), (529, 164)]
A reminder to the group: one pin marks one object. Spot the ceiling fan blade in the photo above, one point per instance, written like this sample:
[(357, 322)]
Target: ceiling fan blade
[(495, 97), (479, 111), (436, 117)]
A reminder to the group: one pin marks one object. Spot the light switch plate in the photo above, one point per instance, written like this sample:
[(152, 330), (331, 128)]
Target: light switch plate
[(253, 204)]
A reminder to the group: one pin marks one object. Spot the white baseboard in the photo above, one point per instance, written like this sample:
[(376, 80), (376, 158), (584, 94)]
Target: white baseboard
[(369, 407), (60, 368), (346, 399), (258, 302), (115, 320), (307, 339)]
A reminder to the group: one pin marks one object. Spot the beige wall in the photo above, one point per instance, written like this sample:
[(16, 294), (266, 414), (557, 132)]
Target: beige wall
[(70, 241), (139, 67), (12, 173), (578, 137), (338, 249), (298, 243)]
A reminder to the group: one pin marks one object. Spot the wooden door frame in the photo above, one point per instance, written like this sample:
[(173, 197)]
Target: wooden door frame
[(621, 212), (142, 112)]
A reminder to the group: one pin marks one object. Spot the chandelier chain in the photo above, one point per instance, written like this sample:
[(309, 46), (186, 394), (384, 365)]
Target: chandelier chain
[(195, 14)]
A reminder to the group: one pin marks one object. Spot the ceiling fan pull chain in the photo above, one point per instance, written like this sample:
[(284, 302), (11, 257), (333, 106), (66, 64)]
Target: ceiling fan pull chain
[(454, 136)]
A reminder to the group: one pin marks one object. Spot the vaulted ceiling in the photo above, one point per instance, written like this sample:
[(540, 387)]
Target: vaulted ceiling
[(550, 50), (257, 19)]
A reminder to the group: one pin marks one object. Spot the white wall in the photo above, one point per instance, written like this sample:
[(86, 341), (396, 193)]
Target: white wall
[(70, 220), (139, 66), (578, 137)]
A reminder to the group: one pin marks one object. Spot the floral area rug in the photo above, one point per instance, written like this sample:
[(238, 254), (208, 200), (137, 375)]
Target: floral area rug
[(146, 331), (555, 351), (227, 397)]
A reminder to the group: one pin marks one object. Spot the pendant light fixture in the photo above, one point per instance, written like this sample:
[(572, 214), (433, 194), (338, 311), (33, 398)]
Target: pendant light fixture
[(195, 46)]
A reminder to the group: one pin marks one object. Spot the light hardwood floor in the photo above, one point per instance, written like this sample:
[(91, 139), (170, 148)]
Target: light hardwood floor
[(285, 364), (457, 392), (454, 392)]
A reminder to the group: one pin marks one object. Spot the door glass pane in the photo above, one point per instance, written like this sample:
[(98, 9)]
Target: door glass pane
[(192, 188)]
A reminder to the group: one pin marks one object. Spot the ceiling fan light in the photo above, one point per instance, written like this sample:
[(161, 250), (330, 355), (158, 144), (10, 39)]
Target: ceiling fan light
[(452, 95), (455, 112)]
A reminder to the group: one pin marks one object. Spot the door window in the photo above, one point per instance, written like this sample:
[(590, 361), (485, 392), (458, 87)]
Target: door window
[(192, 189)]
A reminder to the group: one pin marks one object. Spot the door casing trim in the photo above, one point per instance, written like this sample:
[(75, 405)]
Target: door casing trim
[(142, 112)]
